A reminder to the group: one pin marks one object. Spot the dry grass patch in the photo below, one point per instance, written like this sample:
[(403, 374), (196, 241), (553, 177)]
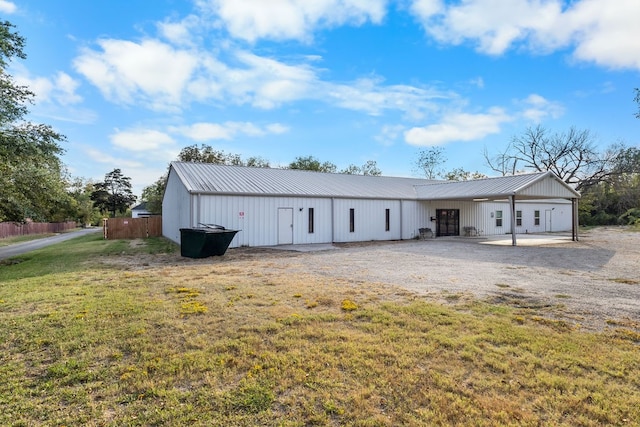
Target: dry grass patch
[(97, 346), (625, 281)]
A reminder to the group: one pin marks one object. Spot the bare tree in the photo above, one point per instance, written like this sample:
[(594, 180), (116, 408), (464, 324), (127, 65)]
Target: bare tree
[(502, 163), (571, 155)]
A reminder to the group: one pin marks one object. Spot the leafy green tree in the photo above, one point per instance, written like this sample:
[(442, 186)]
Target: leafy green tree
[(32, 176), (459, 174), (153, 194), (114, 194), (207, 154), (369, 168), (637, 100), (351, 170), (310, 163), (202, 154), (429, 160), (83, 208), (257, 162)]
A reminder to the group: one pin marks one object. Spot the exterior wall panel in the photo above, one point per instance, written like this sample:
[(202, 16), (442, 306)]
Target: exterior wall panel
[(547, 188), (414, 217), (369, 220), (559, 214), (482, 215), (176, 207), (257, 218)]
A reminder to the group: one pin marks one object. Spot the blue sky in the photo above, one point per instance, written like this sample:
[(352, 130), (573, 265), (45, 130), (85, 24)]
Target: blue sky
[(130, 83)]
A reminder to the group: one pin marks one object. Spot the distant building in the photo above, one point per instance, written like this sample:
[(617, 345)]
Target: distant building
[(285, 206), (140, 211)]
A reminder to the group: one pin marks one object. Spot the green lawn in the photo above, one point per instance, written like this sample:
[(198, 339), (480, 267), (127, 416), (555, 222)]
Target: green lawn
[(92, 335)]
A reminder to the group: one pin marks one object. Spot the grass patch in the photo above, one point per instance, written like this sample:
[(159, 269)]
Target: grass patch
[(625, 281), (213, 343)]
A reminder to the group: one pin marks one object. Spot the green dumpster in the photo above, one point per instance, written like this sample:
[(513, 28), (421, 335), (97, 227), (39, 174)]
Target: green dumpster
[(205, 241)]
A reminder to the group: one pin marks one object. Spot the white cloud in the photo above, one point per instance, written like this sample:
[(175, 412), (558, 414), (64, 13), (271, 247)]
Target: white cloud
[(537, 108), (101, 157), (59, 89), (389, 134), (229, 130), (268, 83), (600, 31), (140, 171), (147, 141), (66, 88), (291, 19), (126, 75), (184, 32), (371, 96), (477, 82), (125, 71), (607, 34), (277, 128), (175, 32), (458, 127), (494, 24), (8, 7)]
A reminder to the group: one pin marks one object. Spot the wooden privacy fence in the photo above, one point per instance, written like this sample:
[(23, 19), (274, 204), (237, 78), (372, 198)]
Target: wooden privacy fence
[(132, 228), (9, 229)]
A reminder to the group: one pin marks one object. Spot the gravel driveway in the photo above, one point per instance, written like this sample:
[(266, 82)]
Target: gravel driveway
[(588, 282)]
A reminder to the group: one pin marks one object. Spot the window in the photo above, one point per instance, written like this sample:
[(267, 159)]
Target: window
[(310, 220), (498, 218), (387, 217), (536, 217), (352, 220), (518, 218)]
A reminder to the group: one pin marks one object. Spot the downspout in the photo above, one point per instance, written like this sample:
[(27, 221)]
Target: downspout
[(512, 202)]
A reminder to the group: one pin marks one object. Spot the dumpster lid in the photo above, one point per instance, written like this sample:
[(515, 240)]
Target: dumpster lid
[(212, 226)]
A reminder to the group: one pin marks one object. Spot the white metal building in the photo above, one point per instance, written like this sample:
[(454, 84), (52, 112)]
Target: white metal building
[(284, 206)]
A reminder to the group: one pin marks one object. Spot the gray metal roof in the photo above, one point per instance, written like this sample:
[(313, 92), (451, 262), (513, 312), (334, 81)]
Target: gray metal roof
[(525, 186), (207, 178)]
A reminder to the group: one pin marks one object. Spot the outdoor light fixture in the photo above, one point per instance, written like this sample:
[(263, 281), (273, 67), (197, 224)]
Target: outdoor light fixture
[(480, 200)]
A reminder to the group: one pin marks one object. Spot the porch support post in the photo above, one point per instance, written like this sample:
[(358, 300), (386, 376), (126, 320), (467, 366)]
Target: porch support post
[(575, 220), (512, 203)]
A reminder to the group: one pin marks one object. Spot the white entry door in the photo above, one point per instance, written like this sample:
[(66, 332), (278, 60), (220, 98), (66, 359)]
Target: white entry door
[(285, 226), (547, 220)]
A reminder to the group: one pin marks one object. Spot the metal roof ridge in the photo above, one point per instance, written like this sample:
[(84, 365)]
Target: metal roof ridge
[(489, 178)]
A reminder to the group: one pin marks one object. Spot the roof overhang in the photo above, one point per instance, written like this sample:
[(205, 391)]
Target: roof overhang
[(537, 186)]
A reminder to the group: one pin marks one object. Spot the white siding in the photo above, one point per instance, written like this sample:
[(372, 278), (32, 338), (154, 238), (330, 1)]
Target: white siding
[(482, 215), (559, 212), (369, 216), (175, 208), (257, 218), (548, 187), (414, 217)]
